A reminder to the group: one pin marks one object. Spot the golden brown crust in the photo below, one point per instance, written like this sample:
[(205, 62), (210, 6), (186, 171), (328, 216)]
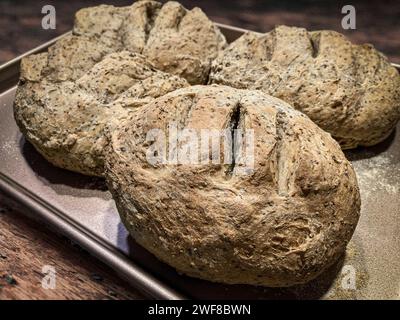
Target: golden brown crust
[(283, 223)]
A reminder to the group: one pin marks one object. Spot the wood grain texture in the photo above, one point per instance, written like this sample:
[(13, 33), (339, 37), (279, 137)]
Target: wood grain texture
[(26, 246)]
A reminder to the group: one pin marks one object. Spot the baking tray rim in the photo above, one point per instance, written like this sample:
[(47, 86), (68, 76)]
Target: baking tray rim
[(72, 229)]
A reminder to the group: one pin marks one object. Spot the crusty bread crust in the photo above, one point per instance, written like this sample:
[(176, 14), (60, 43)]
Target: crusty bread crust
[(68, 96), (349, 90), (281, 224), (67, 121)]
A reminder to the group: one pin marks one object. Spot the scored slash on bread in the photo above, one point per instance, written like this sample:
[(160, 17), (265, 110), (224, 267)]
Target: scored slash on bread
[(349, 90)]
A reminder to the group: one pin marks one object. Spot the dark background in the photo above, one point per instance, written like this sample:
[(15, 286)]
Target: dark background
[(378, 22)]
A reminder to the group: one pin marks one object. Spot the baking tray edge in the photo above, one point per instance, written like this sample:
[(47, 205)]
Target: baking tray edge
[(126, 268)]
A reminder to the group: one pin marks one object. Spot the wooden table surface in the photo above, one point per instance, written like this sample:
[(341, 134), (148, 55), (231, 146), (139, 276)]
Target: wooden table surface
[(27, 246)]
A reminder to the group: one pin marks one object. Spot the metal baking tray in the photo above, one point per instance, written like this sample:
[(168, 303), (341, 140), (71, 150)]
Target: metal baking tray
[(82, 209)]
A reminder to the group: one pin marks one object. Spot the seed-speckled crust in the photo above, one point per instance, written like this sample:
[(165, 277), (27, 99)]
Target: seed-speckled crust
[(64, 97), (349, 90), (66, 121), (281, 224), (184, 42), (175, 40)]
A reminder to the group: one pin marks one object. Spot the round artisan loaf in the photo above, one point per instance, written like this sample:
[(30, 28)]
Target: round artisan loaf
[(68, 95), (349, 90), (175, 40), (66, 121), (279, 218)]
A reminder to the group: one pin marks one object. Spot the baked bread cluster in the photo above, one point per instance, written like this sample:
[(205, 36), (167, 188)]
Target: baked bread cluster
[(349, 90), (116, 59), (89, 103)]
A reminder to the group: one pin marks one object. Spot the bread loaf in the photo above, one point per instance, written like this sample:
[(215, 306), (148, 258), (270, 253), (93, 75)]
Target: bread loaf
[(281, 221), (68, 95), (349, 90), (175, 40), (66, 121)]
